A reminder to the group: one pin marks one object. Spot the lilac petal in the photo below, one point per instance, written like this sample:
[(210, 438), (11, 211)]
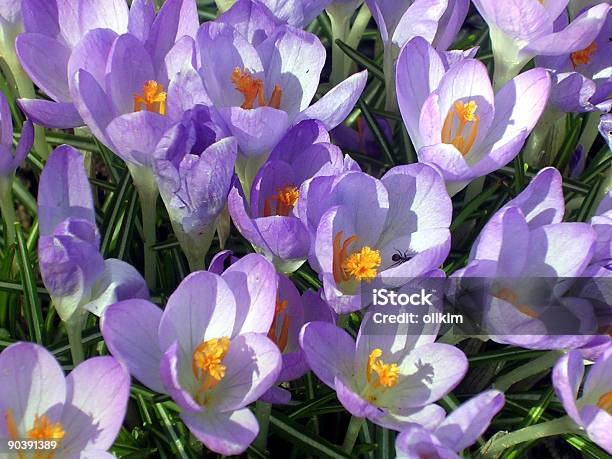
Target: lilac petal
[(192, 314), (597, 382), (315, 308), (140, 19), (51, 114), (6, 123), (257, 130), (171, 369), (520, 19), (25, 144), (567, 376), (93, 454), (468, 422), (97, 393), (297, 139), (448, 160), (243, 221), (571, 92), (42, 16), (32, 384), (419, 20), (64, 190), (252, 364), (181, 57), (252, 20), (294, 363), (428, 416), (451, 23), (218, 261), (92, 55), (542, 201), (225, 433), (416, 442), (597, 424), (136, 135), (130, 332), (110, 14), (276, 396), (579, 34), (329, 351), (186, 90), (119, 281), (334, 107), (387, 13), (10, 11), (354, 403), (286, 237), (427, 374), (46, 61)]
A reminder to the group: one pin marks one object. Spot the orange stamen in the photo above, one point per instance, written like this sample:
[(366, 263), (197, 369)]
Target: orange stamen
[(511, 297), (460, 115), (605, 402), (282, 338), (583, 56), (207, 365), (253, 90), (152, 99), (286, 199)]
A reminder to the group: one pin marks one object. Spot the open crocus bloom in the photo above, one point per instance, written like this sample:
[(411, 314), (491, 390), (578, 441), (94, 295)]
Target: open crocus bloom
[(523, 29), (255, 75), (82, 412), (9, 162), (207, 349), (300, 13), (527, 239), (55, 28), (456, 432), (195, 197), (395, 228), (592, 411), (268, 219), (392, 379), (456, 122), (73, 270)]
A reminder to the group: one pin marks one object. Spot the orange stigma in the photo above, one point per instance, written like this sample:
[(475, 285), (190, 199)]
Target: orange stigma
[(456, 122), (360, 264), (281, 338), (605, 402), (511, 297), (152, 99), (253, 90), (380, 375), (43, 430), (285, 199), (583, 56), (207, 365)]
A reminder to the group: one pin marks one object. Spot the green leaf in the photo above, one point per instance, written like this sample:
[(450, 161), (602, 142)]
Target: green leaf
[(472, 206), (569, 146), (114, 215), (590, 201), (382, 141), (373, 68)]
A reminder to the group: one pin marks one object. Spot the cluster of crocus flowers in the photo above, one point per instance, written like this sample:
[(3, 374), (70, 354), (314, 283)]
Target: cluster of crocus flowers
[(454, 119), (81, 413), (208, 349), (73, 270), (361, 224), (267, 218)]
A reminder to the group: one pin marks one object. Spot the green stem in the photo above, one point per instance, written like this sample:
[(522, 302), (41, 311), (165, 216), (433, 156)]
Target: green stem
[(359, 26), (352, 432), (340, 30), (389, 70), (73, 329), (262, 413), (506, 58), (534, 367), (589, 132), (8, 209), (535, 151), (545, 429), (246, 170)]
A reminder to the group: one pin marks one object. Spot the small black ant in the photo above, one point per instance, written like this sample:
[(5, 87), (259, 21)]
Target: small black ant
[(398, 258)]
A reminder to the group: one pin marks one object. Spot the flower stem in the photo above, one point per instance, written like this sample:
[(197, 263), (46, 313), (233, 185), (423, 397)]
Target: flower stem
[(8, 209), (262, 413), (359, 25), (545, 429), (352, 432), (340, 31), (389, 70), (73, 329), (535, 153), (534, 367)]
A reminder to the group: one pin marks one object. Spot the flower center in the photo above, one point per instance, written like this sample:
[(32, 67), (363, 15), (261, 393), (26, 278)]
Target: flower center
[(285, 199), (511, 297), (605, 402), (152, 99), (280, 338), (456, 131), (380, 375), (207, 365), (253, 90), (43, 429), (583, 56), (360, 264)]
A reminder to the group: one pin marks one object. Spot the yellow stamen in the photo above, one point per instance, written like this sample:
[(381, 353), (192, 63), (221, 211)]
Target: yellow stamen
[(253, 90), (45, 430), (362, 264), (583, 56), (286, 199), (387, 374), (282, 338), (207, 364), (463, 114), (511, 297), (152, 99), (605, 402)]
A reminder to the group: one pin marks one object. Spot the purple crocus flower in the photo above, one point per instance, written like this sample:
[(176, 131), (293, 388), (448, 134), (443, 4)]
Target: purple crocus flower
[(73, 270), (292, 312), (592, 411), (300, 13), (54, 30), (82, 412), (454, 119), (456, 432), (527, 28), (9, 162), (268, 221), (395, 227), (194, 168), (527, 239), (255, 74), (207, 349), (392, 379)]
